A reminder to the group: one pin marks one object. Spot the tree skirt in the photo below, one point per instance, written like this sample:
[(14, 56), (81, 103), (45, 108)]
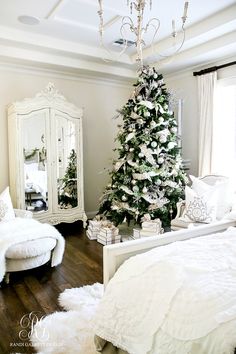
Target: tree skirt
[(71, 331)]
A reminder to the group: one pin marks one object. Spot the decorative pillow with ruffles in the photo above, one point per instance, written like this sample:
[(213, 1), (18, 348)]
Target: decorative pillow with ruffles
[(6, 207)]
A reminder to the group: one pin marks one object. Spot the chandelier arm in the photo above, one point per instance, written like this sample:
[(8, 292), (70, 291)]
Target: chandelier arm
[(177, 50), (122, 31), (128, 19), (156, 27), (150, 23)]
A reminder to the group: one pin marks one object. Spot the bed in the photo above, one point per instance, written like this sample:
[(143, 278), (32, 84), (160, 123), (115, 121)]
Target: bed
[(138, 313), (36, 179)]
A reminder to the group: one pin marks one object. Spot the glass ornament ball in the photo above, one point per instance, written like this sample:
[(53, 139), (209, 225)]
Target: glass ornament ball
[(133, 182), (140, 155), (147, 114), (124, 198), (135, 188), (153, 144)]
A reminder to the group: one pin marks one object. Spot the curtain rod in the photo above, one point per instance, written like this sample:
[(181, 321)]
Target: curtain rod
[(213, 68)]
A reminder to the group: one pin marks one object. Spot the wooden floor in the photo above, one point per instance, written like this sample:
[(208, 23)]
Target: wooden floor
[(38, 289)]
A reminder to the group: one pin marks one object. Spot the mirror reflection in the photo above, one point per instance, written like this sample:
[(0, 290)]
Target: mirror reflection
[(67, 163), (35, 163)]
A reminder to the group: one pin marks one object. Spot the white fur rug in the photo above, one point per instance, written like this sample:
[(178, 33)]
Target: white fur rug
[(69, 332)]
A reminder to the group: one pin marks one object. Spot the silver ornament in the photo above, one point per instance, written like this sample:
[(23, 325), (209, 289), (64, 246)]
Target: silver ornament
[(135, 188), (131, 149), (140, 155), (124, 198), (133, 181), (147, 114), (153, 144), (144, 190)]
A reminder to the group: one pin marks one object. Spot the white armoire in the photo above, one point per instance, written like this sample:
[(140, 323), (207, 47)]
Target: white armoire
[(46, 157)]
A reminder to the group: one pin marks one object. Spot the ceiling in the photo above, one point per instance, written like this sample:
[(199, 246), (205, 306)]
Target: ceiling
[(67, 35)]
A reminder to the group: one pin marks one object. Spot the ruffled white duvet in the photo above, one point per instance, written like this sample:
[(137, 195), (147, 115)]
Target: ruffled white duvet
[(176, 299)]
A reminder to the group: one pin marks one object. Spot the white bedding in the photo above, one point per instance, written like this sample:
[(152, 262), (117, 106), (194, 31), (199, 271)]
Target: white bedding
[(36, 179), (180, 298)]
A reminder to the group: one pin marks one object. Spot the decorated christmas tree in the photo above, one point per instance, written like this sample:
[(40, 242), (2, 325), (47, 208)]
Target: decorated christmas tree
[(68, 187), (147, 177)]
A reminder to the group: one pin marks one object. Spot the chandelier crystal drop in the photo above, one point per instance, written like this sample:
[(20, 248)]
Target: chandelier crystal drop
[(139, 29)]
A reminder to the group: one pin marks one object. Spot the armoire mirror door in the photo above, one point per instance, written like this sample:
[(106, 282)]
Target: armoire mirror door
[(34, 134), (67, 161)]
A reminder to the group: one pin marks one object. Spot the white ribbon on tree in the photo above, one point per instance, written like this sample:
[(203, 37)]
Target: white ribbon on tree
[(118, 165), (129, 137), (148, 153), (145, 175), (127, 190)]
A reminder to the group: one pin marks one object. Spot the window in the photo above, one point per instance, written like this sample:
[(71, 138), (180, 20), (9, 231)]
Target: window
[(224, 129)]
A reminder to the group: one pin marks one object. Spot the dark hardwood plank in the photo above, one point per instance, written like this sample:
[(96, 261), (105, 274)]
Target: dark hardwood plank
[(38, 289)]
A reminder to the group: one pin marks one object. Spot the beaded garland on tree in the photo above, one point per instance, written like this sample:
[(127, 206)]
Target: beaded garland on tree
[(148, 176)]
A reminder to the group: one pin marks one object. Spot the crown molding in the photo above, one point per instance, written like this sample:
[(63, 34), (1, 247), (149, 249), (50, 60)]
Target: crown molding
[(61, 73)]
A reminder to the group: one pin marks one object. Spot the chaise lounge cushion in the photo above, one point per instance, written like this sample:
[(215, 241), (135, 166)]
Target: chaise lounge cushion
[(13, 265), (31, 248)]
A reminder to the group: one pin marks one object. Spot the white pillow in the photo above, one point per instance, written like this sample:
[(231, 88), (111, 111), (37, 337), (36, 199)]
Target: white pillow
[(6, 207), (223, 190), (200, 208), (232, 214)]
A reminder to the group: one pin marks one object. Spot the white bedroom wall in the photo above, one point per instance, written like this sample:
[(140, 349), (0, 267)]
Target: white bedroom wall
[(100, 99), (184, 85)]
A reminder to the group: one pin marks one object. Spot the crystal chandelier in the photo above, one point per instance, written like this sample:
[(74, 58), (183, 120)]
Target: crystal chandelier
[(139, 29)]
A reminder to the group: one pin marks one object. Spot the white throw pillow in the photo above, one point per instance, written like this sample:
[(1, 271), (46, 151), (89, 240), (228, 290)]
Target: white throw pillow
[(200, 208), (223, 190), (232, 214), (6, 207)]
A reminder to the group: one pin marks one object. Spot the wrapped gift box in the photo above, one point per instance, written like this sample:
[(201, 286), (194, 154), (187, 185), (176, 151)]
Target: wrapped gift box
[(92, 234), (109, 231), (153, 226), (139, 233), (95, 224), (107, 242), (93, 229), (108, 235)]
